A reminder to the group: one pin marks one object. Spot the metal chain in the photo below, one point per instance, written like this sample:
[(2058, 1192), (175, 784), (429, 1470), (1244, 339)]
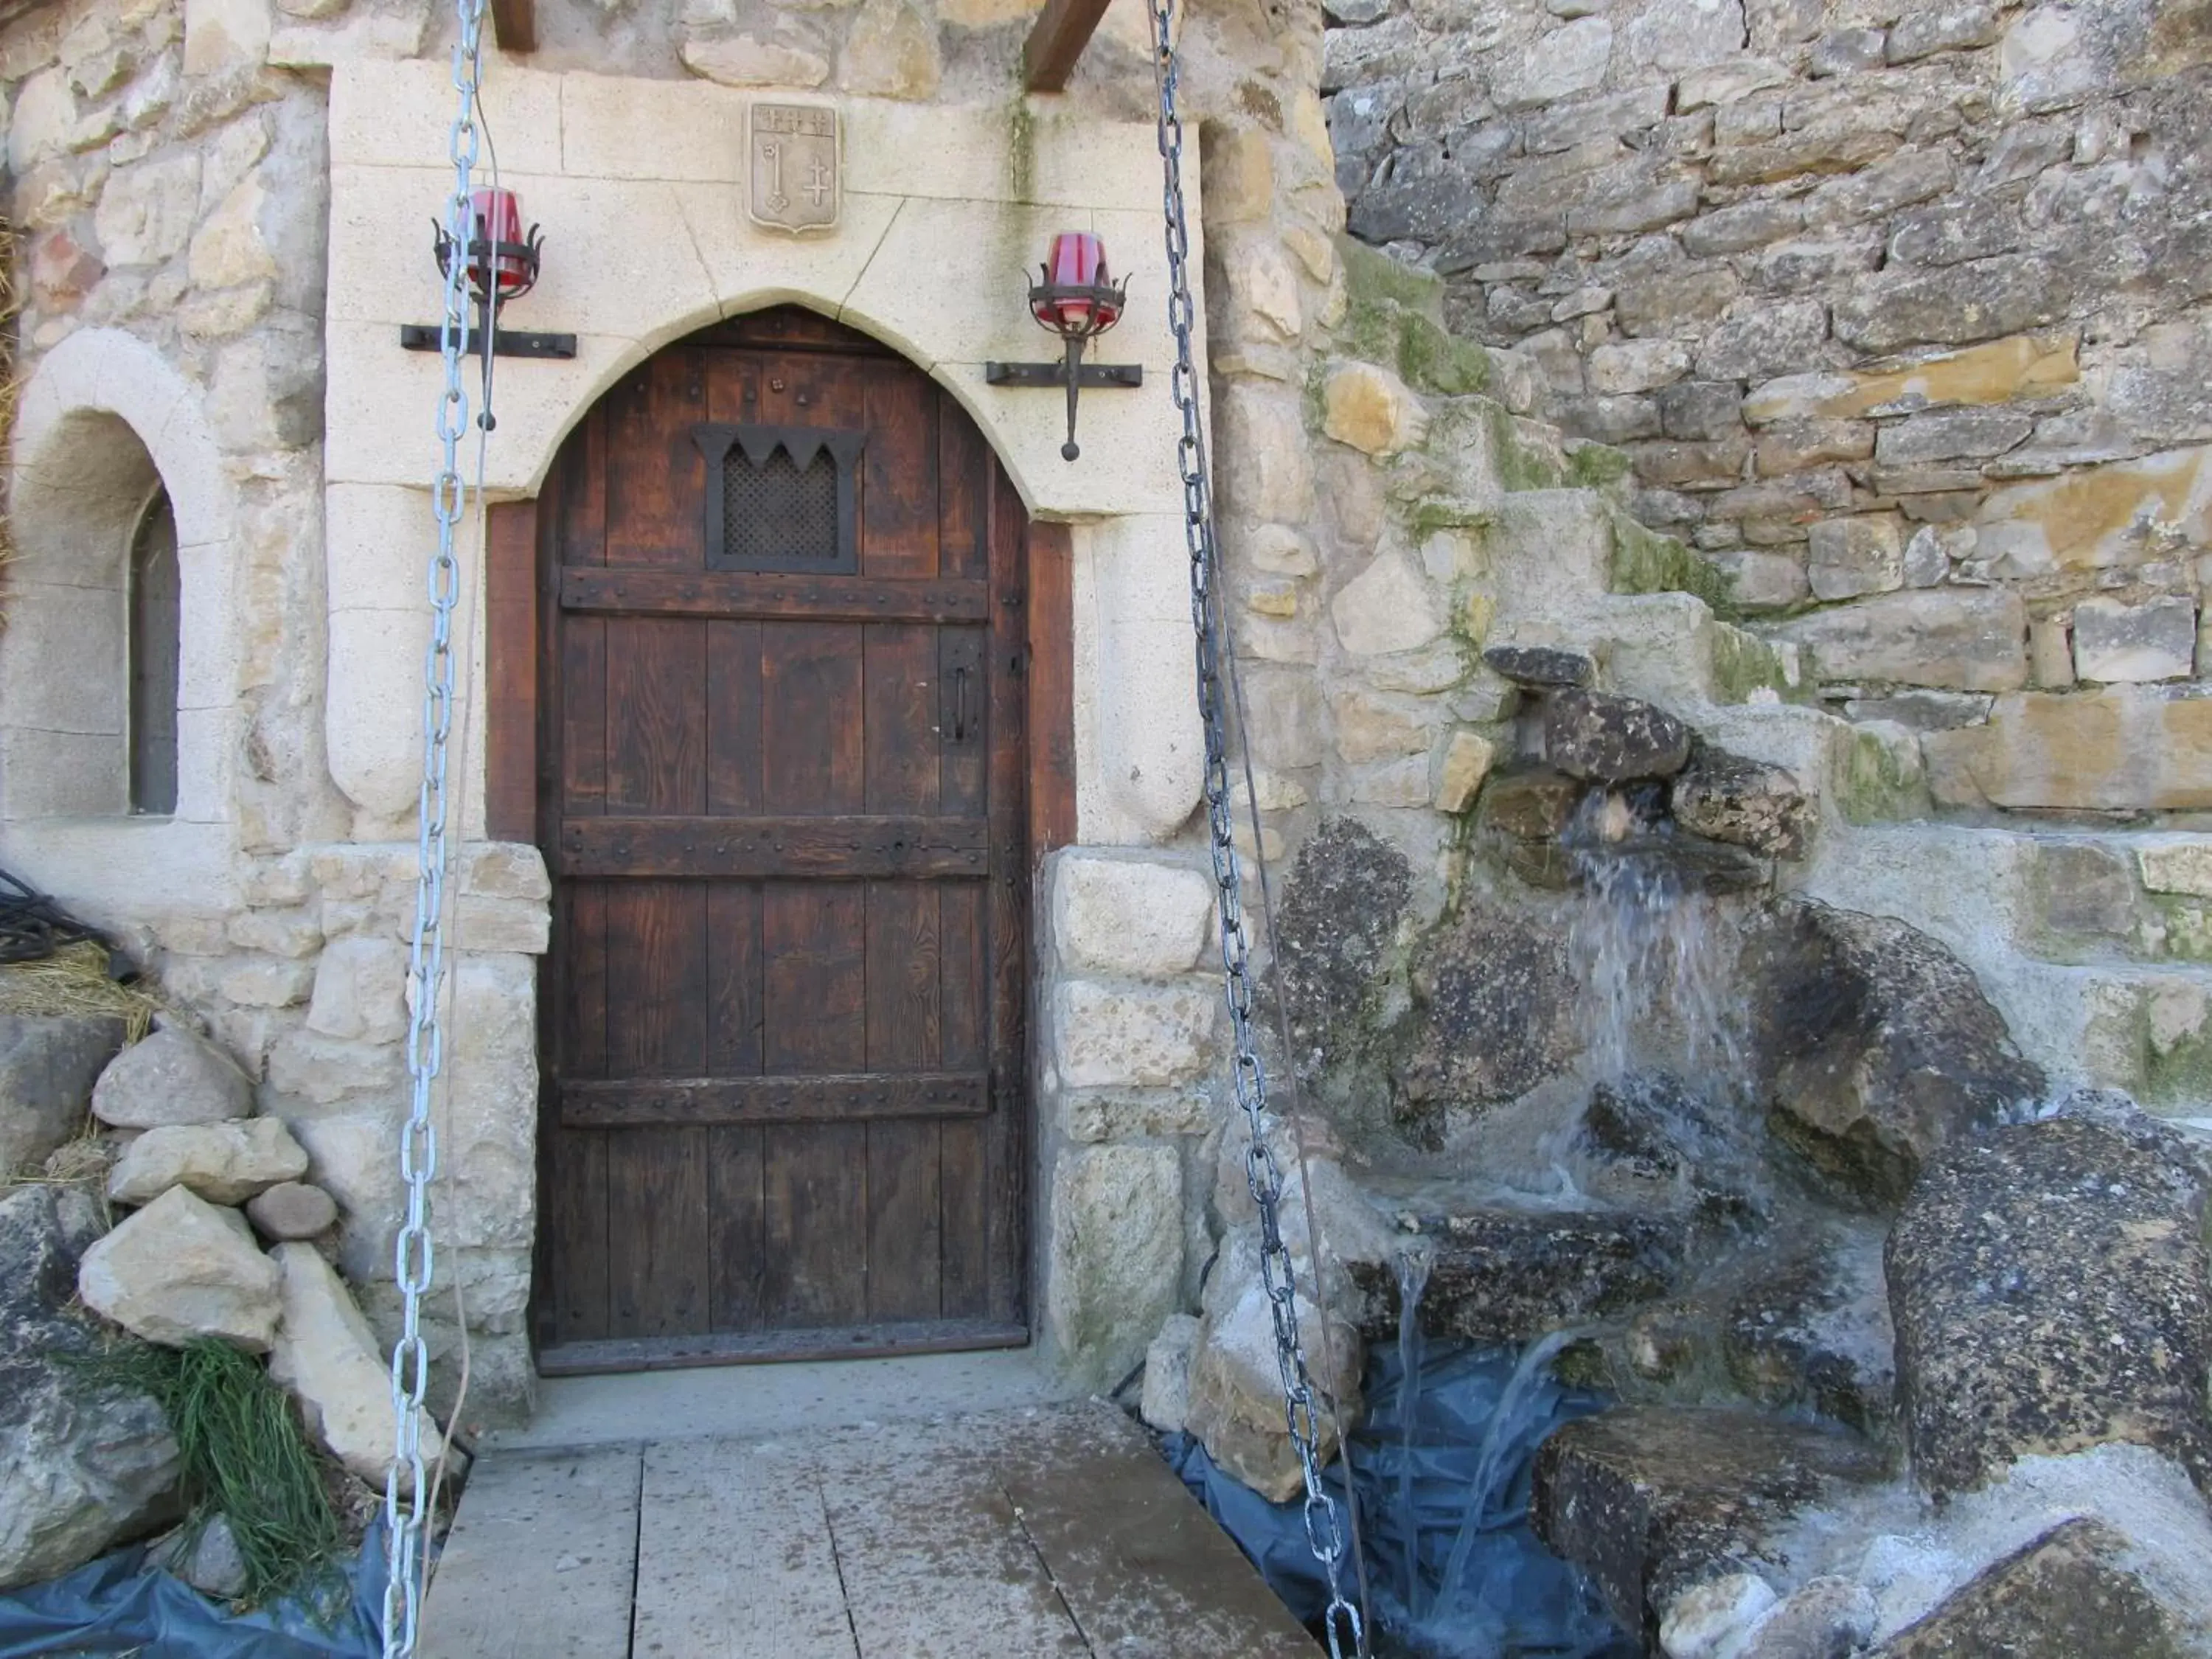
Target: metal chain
[(426, 965), (1263, 1174)]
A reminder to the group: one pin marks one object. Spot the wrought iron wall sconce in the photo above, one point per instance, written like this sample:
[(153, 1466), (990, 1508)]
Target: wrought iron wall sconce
[(1078, 299), (500, 259)]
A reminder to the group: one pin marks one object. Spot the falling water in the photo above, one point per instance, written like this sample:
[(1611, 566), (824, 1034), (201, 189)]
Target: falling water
[(1412, 1279), (1650, 949)]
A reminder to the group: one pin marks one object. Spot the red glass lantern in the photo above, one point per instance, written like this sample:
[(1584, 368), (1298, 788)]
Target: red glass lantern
[(1078, 299), (499, 255)]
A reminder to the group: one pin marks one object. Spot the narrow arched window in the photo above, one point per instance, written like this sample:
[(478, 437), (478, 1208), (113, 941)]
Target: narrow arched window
[(154, 591)]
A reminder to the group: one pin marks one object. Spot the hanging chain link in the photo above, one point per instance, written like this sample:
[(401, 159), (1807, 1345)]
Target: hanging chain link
[(1263, 1174), (426, 966)]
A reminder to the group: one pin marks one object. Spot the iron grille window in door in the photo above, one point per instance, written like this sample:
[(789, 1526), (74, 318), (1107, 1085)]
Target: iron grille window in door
[(781, 498)]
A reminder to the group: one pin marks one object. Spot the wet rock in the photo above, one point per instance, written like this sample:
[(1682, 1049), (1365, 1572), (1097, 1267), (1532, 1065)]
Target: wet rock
[(1654, 1133), (47, 1069), (1341, 907), (1497, 1011), (1710, 1619), (2070, 1594), (223, 1163), (1652, 1501), (1747, 803), (1506, 1277), (1597, 736), (1873, 1047), (2051, 1294), (1529, 803), (1813, 1330), (1546, 668), (180, 1269), (84, 1464), (175, 1076), (1673, 864), (1827, 1619)]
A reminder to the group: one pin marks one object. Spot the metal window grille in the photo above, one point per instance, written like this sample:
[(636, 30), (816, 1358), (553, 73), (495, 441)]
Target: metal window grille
[(782, 498)]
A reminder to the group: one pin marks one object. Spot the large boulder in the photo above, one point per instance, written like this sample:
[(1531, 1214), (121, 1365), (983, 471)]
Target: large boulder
[(85, 1463), (2070, 1594), (2051, 1292), (223, 1163), (1873, 1048), (48, 1065), (1498, 1012), (175, 1076), (1653, 1501), (1342, 904), (327, 1356), (181, 1269)]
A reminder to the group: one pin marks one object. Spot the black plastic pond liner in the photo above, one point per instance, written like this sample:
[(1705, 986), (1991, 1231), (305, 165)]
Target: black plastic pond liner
[(1455, 1569), (118, 1604)]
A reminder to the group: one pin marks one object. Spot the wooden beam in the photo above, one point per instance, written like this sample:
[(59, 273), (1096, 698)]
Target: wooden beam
[(514, 25), (1056, 39)]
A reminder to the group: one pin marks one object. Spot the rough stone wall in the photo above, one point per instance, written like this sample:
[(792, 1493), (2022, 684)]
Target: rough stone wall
[(1898, 309)]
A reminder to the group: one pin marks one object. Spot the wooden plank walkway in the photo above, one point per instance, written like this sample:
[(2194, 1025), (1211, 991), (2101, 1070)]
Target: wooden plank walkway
[(1042, 1533)]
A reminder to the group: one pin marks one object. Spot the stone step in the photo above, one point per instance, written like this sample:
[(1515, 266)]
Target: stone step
[(1550, 554)]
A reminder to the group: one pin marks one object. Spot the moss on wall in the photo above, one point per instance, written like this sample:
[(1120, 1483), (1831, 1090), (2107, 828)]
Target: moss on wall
[(1645, 562)]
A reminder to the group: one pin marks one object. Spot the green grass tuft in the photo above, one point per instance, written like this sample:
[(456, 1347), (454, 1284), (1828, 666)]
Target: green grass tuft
[(246, 1457)]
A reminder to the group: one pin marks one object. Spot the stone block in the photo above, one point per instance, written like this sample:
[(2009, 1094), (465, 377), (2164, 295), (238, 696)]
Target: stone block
[(1847, 52), (1558, 64), (1700, 411), (1371, 409), (1741, 229), (146, 211), (48, 1065), (1761, 341), (1952, 639), (1236, 1399), (746, 60), (1115, 1268), (1129, 917), (174, 1076), (1763, 581), (1675, 301), (1954, 304), (361, 990), (1372, 727), (2116, 643), (1596, 736), (328, 1357), (1628, 366), (2177, 866), (1946, 26), (2121, 749), (1108, 1036), (1267, 470), (891, 51), (1460, 773), (1389, 607), (1850, 557), (1965, 434), (1166, 1401), (1788, 447), (2076, 1590), (1909, 177), (1727, 81), (181, 1269), (225, 36), (221, 1163)]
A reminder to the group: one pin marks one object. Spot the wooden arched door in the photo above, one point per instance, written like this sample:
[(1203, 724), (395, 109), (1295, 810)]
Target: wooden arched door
[(781, 788)]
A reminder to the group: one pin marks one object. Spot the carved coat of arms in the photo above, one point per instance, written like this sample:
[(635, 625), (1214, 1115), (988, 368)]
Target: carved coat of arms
[(793, 163)]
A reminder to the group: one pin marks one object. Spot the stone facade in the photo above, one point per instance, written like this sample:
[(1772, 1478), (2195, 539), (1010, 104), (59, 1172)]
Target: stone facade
[(213, 202), (1897, 310)]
